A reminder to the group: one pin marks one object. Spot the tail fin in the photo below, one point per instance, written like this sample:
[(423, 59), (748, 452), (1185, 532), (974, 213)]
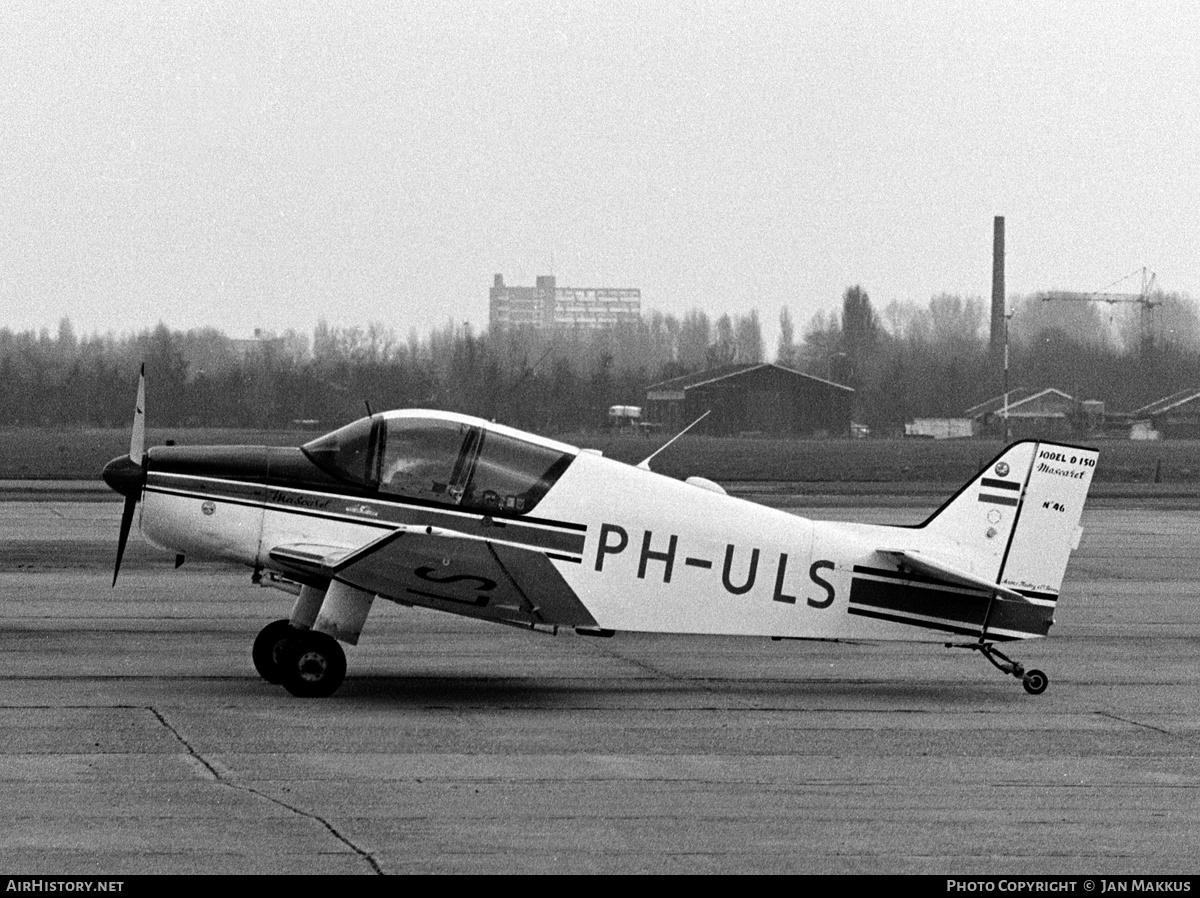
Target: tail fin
[(1017, 521)]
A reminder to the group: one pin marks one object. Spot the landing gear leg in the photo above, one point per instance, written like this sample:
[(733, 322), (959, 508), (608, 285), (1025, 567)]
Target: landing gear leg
[(1034, 681), (303, 652)]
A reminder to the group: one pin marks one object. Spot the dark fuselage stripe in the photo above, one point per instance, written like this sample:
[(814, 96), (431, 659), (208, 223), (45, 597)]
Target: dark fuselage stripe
[(537, 538), (928, 625), (953, 606), (214, 495), (290, 497), (943, 604), (252, 493), (383, 501), (904, 577)]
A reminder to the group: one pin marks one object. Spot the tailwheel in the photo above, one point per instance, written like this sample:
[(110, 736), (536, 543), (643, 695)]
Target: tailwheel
[(1034, 681), (313, 665), (267, 648)]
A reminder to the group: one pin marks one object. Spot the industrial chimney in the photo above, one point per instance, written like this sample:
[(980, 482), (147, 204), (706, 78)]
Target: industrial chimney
[(998, 303)]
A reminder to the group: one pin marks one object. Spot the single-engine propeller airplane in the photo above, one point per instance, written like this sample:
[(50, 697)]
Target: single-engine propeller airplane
[(458, 514)]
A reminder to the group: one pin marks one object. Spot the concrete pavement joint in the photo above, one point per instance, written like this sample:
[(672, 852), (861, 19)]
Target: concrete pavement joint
[(1144, 726), (195, 755), (222, 781)]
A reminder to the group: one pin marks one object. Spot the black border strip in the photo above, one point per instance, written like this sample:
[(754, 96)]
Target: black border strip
[(303, 512), (381, 498), (389, 526), (217, 486), (1000, 484), (902, 576), (929, 625)]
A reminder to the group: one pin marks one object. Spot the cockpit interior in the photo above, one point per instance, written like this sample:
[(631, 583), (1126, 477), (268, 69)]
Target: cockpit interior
[(440, 461)]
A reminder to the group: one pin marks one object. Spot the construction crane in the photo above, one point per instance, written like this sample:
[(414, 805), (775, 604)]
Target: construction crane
[(1145, 299)]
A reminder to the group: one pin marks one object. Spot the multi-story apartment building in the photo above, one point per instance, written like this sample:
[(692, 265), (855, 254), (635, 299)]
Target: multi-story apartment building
[(549, 307)]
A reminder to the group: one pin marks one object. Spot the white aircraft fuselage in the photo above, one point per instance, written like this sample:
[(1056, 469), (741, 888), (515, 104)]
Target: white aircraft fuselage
[(461, 515)]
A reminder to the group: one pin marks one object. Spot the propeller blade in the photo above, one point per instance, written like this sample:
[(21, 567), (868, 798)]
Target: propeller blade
[(127, 475), (126, 523), (137, 439)]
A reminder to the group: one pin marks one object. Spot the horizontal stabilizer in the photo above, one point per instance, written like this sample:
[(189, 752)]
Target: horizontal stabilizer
[(923, 563)]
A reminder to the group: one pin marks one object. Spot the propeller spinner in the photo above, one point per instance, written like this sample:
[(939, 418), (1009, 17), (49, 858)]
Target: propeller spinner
[(127, 473)]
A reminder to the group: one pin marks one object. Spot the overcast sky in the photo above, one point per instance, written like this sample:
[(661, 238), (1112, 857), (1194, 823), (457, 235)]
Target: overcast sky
[(267, 164)]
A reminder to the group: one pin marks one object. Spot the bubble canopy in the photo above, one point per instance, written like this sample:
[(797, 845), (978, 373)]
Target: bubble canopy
[(443, 459)]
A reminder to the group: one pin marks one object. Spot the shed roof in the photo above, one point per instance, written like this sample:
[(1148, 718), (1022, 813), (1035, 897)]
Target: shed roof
[(996, 403), (727, 372), (1023, 397), (1183, 397)]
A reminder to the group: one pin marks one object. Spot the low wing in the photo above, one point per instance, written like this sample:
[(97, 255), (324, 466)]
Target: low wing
[(449, 571)]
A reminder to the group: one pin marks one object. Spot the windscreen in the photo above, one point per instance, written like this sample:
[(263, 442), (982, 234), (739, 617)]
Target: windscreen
[(345, 453)]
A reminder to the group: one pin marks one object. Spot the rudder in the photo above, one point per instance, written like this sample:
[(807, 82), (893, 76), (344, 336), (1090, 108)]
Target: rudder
[(1047, 527), (1016, 522)]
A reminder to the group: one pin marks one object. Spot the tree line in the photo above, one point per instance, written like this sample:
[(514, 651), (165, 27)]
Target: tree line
[(905, 361), (937, 360)]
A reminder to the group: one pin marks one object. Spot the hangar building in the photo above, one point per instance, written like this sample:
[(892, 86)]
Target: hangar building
[(752, 398)]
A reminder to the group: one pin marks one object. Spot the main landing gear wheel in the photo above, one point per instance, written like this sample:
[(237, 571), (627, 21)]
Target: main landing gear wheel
[(267, 648), (1035, 682), (313, 665)]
